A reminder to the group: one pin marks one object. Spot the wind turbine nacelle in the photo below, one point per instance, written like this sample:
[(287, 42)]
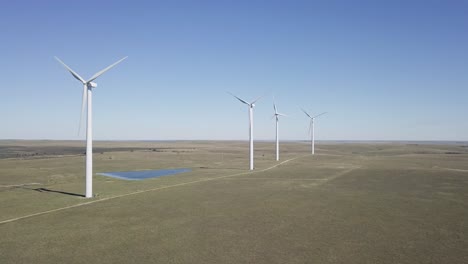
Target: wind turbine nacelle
[(92, 84)]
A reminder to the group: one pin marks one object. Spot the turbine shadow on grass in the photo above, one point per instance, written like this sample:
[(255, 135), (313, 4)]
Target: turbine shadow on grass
[(55, 191)]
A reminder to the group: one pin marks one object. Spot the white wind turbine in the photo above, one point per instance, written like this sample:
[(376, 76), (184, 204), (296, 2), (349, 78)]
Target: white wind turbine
[(251, 106), (311, 128), (87, 99), (276, 116)]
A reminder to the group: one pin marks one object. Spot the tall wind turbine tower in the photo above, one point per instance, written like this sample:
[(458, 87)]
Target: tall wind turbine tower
[(87, 99), (251, 106), (311, 129), (276, 116)]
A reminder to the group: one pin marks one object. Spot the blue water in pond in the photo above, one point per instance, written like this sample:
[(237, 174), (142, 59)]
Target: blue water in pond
[(141, 175)]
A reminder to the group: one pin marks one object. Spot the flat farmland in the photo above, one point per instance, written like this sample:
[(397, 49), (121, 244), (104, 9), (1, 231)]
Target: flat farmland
[(348, 203)]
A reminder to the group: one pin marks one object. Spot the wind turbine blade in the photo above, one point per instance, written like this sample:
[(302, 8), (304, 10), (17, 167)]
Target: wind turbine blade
[(106, 69), (310, 127), (306, 113), (258, 99), (319, 114), (83, 103), (78, 77), (274, 107), (280, 114), (239, 99)]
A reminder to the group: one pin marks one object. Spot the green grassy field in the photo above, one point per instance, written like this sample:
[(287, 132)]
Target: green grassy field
[(349, 203)]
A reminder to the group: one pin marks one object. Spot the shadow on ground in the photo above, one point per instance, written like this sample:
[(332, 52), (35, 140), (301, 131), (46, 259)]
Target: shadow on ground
[(55, 191)]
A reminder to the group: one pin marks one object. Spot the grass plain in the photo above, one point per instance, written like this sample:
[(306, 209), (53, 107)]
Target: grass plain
[(349, 203)]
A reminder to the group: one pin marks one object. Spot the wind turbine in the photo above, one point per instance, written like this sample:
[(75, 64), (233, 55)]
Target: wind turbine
[(311, 128), (251, 106), (87, 99), (277, 136)]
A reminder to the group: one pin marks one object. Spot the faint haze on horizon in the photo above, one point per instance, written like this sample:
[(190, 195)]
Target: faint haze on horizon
[(383, 70)]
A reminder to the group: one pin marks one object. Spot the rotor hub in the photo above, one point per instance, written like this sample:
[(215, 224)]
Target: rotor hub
[(92, 85)]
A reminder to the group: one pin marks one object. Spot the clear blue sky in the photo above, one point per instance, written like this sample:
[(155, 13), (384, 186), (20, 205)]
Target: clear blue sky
[(384, 70)]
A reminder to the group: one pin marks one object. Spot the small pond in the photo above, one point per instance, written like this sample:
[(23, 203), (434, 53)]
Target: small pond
[(144, 174)]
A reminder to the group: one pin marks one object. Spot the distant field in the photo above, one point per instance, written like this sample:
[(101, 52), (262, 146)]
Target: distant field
[(349, 203)]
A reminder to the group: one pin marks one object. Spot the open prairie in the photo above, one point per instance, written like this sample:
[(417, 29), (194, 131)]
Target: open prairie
[(348, 203)]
